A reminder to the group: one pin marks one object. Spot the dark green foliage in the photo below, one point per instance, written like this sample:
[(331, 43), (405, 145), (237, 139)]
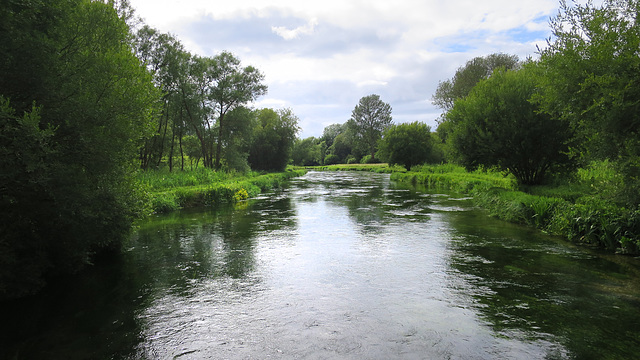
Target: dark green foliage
[(308, 152), (592, 74), (73, 59), (274, 136), (171, 191), (25, 172), (406, 144), (331, 159), (498, 125), (369, 119), (468, 76)]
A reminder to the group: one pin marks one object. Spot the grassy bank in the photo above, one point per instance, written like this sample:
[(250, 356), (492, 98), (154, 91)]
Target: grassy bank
[(582, 210), (203, 187), (377, 168)]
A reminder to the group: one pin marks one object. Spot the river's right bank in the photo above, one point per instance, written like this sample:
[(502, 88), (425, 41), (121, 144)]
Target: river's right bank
[(582, 209)]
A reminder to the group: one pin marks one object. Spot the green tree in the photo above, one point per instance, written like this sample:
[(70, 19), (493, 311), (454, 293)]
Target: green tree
[(100, 100), (330, 132), (592, 74), (406, 144), (273, 140), (308, 152), (467, 76), (237, 138), (370, 118), (230, 86), (497, 125), (25, 155)]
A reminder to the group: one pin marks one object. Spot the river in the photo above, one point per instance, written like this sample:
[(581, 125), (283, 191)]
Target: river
[(338, 265)]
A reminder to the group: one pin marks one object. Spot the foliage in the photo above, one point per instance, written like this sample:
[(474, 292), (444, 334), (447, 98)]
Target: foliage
[(467, 76), (454, 178), (309, 152), (203, 97), (376, 168), (497, 125), (406, 144), (169, 191), (73, 58), (591, 67), (587, 219), (369, 119), (25, 151), (275, 134)]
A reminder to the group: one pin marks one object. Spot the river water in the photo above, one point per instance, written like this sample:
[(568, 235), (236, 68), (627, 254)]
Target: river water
[(339, 265)]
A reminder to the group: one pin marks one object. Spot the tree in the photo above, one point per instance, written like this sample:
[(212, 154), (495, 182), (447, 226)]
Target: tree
[(238, 136), (406, 144), (92, 90), (592, 74), (275, 134), (308, 152), (467, 76), (330, 132), (231, 86), (497, 125), (370, 118)]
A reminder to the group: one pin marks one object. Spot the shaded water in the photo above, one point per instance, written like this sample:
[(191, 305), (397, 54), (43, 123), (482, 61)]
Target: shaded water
[(339, 265)]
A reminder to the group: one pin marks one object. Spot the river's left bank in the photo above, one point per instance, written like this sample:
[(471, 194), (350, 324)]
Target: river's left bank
[(168, 191)]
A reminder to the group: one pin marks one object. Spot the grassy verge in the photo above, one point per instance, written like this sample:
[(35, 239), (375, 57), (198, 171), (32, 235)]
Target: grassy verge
[(377, 168), (582, 210), (172, 191)]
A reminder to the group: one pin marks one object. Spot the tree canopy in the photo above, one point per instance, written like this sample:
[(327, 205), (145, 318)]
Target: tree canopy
[(94, 104), (497, 125), (274, 137), (406, 144), (467, 76), (370, 118), (592, 76)]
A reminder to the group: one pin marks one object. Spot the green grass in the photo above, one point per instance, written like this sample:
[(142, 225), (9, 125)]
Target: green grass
[(378, 168), (455, 178), (168, 191), (582, 210)]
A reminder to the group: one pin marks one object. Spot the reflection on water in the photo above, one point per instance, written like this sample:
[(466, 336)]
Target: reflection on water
[(339, 265)]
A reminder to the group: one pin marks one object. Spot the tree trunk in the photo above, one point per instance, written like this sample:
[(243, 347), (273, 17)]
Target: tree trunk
[(219, 145)]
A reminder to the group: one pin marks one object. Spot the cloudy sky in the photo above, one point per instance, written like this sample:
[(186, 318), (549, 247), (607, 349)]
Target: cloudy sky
[(320, 57)]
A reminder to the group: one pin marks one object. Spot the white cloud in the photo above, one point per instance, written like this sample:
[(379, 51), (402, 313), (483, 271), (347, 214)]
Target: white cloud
[(295, 33), (320, 57)]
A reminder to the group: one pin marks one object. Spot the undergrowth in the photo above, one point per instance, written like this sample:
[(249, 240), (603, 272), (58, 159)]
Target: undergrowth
[(582, 209), (172, 191)]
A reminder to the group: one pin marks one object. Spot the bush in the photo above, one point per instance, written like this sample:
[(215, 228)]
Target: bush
[(331, 159), (368, 159)]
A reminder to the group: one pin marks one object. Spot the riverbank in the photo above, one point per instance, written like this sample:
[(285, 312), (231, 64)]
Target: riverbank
[(169, 191), (581, 210)]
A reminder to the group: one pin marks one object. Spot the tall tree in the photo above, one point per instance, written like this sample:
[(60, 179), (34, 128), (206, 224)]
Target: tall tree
[(273, 140), (371, 117), (97, 98), (467, 76), (592, 80), (497, 125), (230, 86), (406, 144)]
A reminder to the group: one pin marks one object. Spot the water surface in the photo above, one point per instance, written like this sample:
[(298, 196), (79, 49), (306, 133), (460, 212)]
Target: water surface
[(339, 266)]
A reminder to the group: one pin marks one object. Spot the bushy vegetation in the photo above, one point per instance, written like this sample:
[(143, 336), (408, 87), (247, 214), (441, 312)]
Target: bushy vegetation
[(169, 191), (582, 209), (455, 178)]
